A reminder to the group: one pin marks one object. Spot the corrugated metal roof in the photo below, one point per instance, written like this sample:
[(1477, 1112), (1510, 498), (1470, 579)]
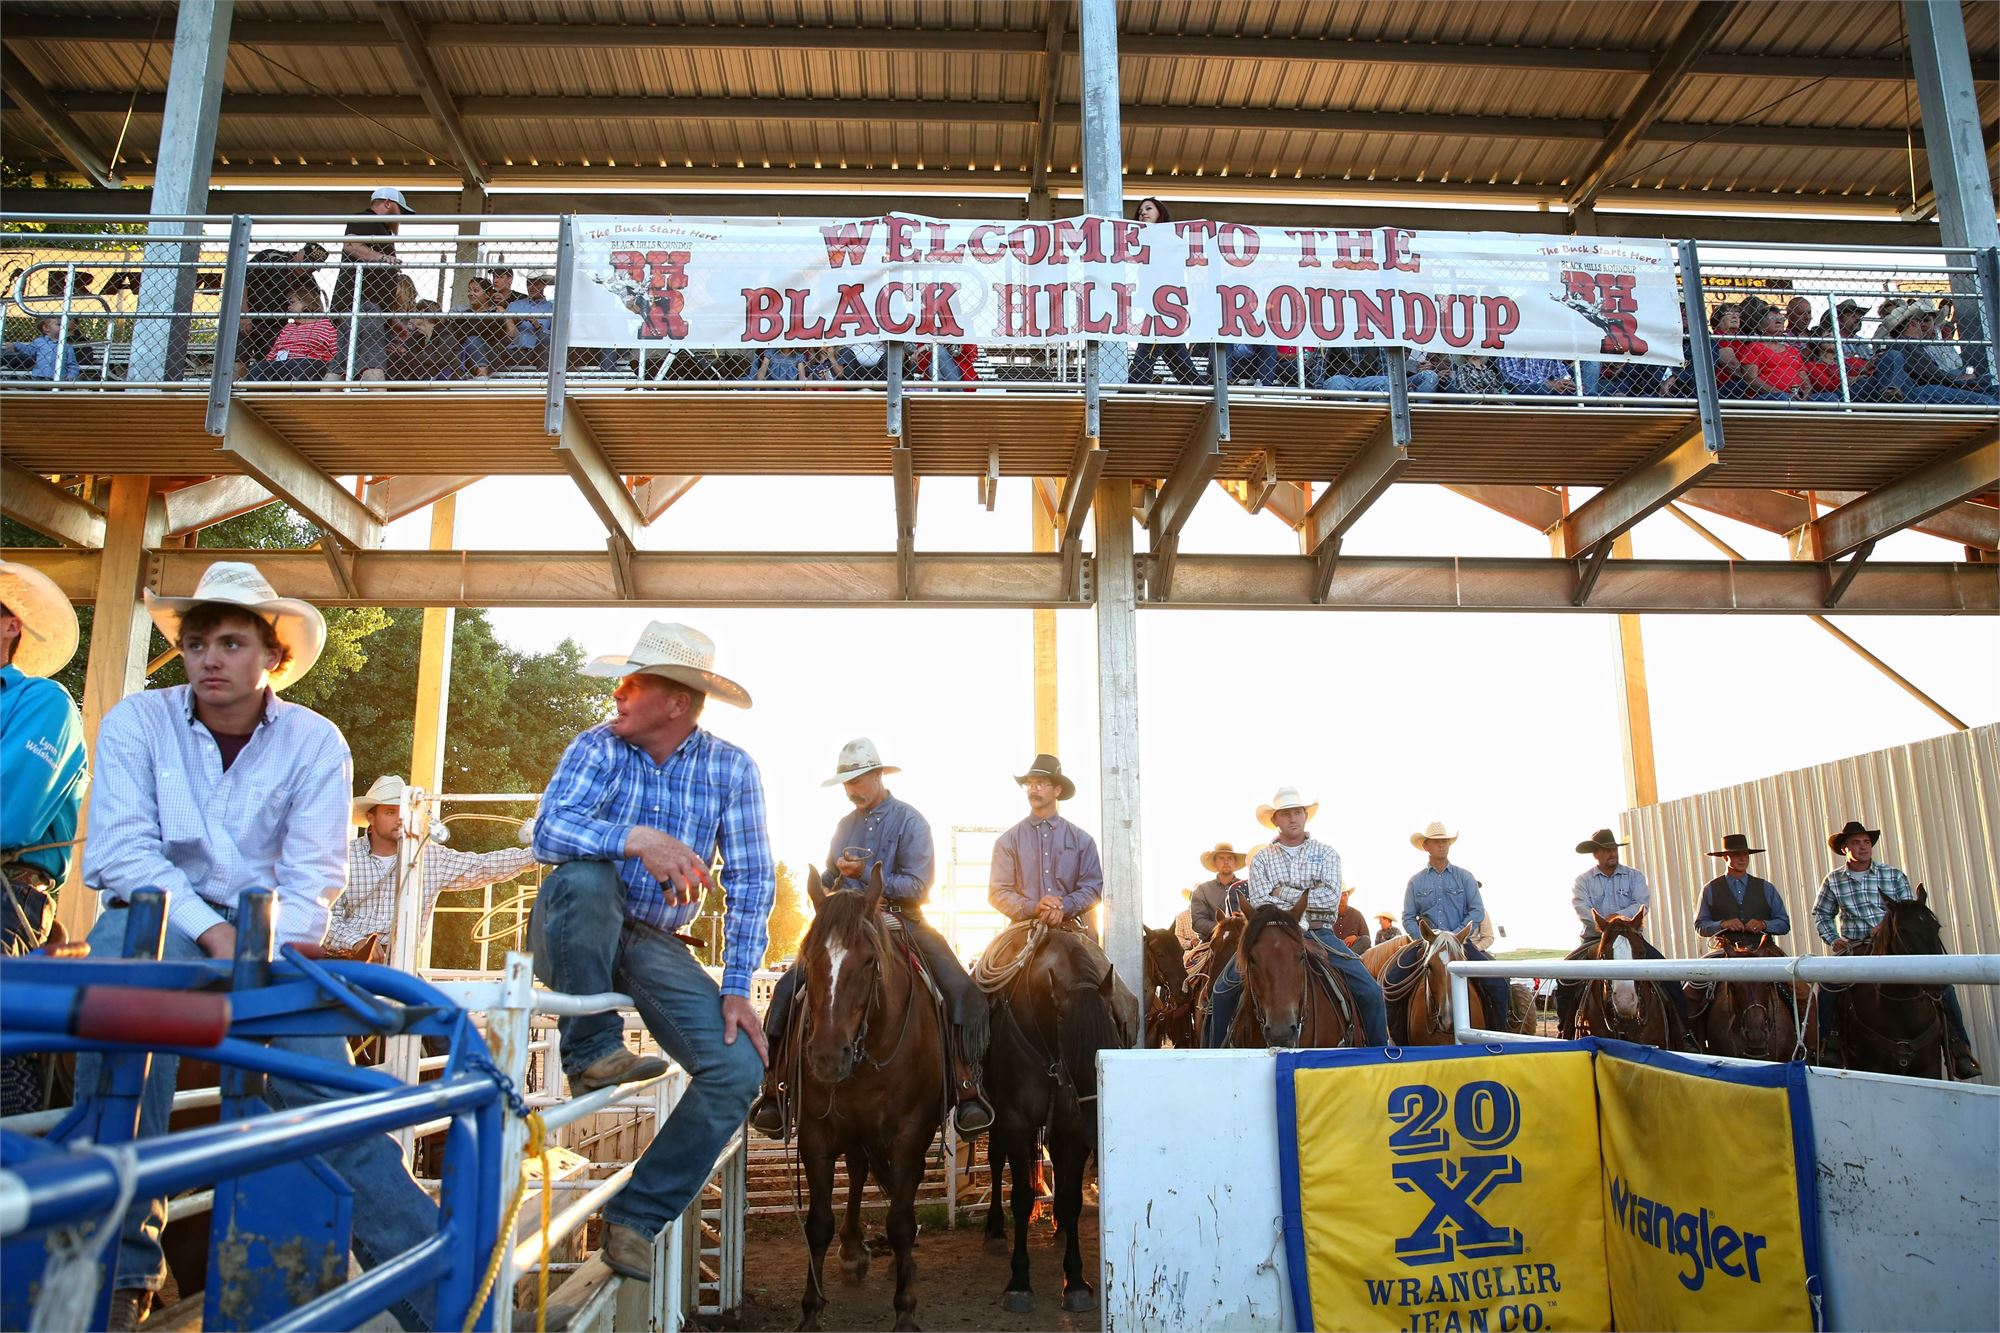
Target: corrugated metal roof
[(974, 104)]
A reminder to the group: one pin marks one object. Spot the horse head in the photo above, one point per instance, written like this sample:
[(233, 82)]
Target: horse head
[(1166, 968), (1909, 926), (1071, 993), (840, 966), (1272, 961), (1611, 929)]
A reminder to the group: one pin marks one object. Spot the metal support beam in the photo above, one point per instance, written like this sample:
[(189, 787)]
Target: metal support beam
[(402, 23), (602, 487), (1181, 492), (288, 474), (1697, 33), (1042, 539), (1103, 152), (1970, 524), (1045, 112), (427, 736), (1024, 581), (1539, 508), (1954, 149), (904, 471), (1118, 723), (397, 497), (656, 495), (192, 508), (1341, 504), (30, 96), (555, 420), (1619, 506), (1938, 485), (1840, 574), (60, 515)]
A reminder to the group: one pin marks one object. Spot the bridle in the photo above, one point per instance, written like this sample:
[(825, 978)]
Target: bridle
[(856, 1049), (1298, 1027), (1437, 1008)]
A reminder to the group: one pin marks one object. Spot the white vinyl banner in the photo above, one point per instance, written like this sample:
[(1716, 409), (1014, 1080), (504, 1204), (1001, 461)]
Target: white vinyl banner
[(746, 283)]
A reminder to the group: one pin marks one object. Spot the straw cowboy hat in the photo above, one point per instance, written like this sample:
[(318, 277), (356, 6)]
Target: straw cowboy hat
[(298, 625), (48, 621), (1838, 841), (1048, 766), (1388, 917), (1434, 829), (1893, 322), (1733, 843), (1601, 841), (1208, 857), (858, 756), (1286, 798), (385, 790), (676, 652)]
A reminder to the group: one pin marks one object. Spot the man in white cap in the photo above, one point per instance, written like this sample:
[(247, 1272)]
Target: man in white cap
[(207, 789), (1295, 862), (881, 830), (636, 811), (42, 777), (369, 256), (368, 907), (1216, 898), (1448, 897)]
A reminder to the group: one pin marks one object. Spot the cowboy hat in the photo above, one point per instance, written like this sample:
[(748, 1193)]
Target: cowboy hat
[(1893, 322), (1737, 842), (858, 756), (1434, 829), (676, 652), (1208, 857), (1838, 842), (1602, 840), (298, 625), (1048, 766), (385, 790), (1390, 917), (1286, 798), (48, 621)]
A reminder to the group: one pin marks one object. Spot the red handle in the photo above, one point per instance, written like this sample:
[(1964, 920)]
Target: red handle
[(151, 1017)]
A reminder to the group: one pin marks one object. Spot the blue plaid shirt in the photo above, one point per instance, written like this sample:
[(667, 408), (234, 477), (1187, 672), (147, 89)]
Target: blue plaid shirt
[(1855, 897), (708, 794)]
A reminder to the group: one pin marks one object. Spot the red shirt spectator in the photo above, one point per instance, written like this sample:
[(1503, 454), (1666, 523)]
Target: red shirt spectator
[(1779, 365), (306, 340)]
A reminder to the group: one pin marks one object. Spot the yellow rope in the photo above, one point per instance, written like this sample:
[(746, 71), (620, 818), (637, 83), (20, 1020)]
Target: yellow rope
[(538, 1144)]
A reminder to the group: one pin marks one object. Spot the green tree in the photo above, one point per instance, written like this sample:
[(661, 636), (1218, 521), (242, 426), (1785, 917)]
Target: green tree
[(789, 920)]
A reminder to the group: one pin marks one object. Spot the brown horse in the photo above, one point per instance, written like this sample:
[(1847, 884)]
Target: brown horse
[(869, 1047), (1291, 997), (1755, 1020), (1890, 1029), (1417, 985), (1169, 1009), (1635, 1011), (1049, 1022), (1205, 962)]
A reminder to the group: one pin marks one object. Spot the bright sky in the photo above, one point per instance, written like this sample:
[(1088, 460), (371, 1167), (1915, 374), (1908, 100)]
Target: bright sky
[(1503, 726)]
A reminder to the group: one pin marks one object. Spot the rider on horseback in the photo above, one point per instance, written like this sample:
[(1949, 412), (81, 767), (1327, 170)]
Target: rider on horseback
[(1448, 897), (1607, 889), (1293, 863), (883, 829), (1848, 909), (1737, 905)]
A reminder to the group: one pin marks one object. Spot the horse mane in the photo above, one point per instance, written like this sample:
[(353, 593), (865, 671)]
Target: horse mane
[(841, 916), (1268, 915), (1086, 1026)]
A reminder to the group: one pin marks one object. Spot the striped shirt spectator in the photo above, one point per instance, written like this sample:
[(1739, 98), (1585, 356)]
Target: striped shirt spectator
[(708, 794), (368, 906), (306, 340)]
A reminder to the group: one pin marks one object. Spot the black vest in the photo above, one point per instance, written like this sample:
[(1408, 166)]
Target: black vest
[(1719, 904)]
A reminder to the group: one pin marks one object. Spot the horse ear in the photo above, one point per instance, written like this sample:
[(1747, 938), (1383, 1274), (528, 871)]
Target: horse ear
[(875, 888), (814, 893), (1298, 909), (1424, 929), (1922, 897), (1464, 932), (1597, 919), (1108, 985), (1639, 919), (1887, 901)]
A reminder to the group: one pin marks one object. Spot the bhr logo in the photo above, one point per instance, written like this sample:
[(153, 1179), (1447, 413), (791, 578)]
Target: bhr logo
[(1487, 1117)]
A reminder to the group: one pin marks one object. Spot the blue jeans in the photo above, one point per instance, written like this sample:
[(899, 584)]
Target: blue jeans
[(583, 945), (1178, 360), (391, 1211), (1422, 381), (1891, 371), (1370, 1007), (1253, 363), (1492, 990)]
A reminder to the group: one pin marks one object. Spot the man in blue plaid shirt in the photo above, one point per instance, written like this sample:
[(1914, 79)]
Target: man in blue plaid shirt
[(638, 809), (1848, 909)]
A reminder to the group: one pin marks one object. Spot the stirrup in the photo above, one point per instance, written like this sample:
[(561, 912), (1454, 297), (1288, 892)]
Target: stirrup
[(767, 1116), (972, 1109)]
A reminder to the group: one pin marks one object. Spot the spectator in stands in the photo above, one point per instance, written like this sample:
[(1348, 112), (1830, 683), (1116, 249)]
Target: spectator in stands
[(1472, 374), (527, 323), (1725, 321), (206, 789), (1798, 318), (424, 353), (1538, 377), (1906, 362), (1773, 367), (502, 280), (1145, 355), (475, 336), (39, 355), (861, 361), (1864, 384), (777, 363), (306, 346), (1366, 370), (369, 257), (268, 283)]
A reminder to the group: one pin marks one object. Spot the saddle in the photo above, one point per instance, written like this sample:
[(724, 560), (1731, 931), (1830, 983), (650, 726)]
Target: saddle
[(370, 948)]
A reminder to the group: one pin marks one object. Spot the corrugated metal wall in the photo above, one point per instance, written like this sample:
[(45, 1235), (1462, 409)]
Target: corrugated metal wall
[(1937, 803)]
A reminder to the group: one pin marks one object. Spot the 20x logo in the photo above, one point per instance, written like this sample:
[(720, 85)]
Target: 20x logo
[(1487, 1117)]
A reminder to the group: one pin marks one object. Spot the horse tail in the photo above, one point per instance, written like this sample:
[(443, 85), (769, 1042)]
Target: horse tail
[(1085, 1030)]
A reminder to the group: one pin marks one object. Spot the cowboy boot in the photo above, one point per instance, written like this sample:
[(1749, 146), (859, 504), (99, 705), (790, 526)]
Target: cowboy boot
[(767, 1113), (130, 1307), (971, 1116), (1964, 1066)]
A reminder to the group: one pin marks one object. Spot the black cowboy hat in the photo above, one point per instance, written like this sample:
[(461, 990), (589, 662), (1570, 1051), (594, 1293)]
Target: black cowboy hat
[(1603, 838), (1048, 766), (1837, 842), (1736, 842)]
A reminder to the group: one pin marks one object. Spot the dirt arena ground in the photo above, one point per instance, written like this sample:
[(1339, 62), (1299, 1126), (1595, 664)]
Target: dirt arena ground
[(958, 1282)]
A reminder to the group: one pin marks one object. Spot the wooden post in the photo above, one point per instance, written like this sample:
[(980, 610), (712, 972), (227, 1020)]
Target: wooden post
[(433, 668), (1635, 711), (119, 636), (1047, 733), (1118, 733)]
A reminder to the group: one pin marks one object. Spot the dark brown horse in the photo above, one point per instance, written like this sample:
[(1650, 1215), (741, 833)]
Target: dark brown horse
[(1169, 1008), (1635, 1011), (1755, 1020), (870, 1053), (1890, 1029), (1291, 996), (1049, 1023)]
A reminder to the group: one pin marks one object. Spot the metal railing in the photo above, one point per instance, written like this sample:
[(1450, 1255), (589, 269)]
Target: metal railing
[(254, 304)]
